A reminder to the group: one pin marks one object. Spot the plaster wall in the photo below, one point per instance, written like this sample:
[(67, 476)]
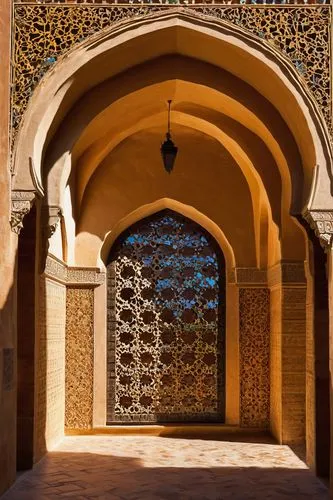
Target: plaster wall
[(50, 394), (205, 177), (8, 248), (288, 343), (310, 367)]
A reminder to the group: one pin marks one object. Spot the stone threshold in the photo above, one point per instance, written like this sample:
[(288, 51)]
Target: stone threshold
[(212, 431)]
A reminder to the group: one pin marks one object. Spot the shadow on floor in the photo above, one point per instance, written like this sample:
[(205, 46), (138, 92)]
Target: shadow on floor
[(91, 475)]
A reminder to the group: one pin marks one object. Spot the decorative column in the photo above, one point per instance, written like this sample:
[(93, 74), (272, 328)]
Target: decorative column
[(287, 284), (253, 347)]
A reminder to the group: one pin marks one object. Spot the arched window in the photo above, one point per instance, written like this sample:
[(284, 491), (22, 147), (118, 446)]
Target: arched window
[(166, 327)]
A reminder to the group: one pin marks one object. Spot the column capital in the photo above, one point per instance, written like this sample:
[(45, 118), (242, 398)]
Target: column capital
[(321, 221), (22, 202)]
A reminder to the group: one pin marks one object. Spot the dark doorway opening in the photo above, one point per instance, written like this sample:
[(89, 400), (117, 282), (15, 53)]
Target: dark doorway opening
[(322, 374)]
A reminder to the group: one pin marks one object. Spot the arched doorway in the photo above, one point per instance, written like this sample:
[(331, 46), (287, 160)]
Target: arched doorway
[(166, 323)]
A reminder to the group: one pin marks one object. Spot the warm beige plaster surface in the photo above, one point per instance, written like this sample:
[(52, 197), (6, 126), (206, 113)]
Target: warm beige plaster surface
[(205, 177), (249, 127)]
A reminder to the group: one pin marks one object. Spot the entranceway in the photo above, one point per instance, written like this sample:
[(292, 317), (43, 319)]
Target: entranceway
[(166, 317)]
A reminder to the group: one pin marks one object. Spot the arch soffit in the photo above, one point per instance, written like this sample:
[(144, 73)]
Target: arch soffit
[(42, 111), (228, 132), (109, 128), (178, 207)]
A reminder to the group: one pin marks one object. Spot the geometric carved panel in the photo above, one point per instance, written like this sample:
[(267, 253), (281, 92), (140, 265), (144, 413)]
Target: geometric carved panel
[(79, 358), (254, 327), (165, 323)]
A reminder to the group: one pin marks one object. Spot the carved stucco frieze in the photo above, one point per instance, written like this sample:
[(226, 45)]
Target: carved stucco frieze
[(250, 276), (22, 202), (58, 270), (42, 33), (321, 221), (288, 274)]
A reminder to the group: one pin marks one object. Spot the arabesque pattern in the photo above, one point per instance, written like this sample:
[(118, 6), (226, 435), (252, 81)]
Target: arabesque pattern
[(43, 32), (166, 324), (79, 353), (254, 323)]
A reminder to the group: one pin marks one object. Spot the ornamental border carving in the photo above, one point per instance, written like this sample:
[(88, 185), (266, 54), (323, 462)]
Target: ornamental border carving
[(71, 276), (250, 276), (287, 274), (304, 40)]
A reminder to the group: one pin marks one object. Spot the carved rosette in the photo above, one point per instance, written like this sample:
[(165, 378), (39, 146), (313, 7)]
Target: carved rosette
[(321, 221), (22, 202)]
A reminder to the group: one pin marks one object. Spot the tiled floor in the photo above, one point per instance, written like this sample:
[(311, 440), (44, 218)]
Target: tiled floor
[(151, 468)]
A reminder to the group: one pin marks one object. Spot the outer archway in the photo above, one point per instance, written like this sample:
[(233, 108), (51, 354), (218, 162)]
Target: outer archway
[(70, 79)]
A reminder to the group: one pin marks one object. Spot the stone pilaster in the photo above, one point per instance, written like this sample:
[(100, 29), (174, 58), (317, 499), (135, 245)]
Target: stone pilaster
[(287, 283), (79, 284)]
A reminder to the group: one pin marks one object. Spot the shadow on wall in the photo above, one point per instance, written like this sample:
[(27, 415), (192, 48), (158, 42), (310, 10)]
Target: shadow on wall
[(7, 390), (87, 475)]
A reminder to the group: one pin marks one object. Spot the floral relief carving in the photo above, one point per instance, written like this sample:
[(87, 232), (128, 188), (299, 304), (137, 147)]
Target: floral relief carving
[(254, 357), (79, 358), (44, 32)]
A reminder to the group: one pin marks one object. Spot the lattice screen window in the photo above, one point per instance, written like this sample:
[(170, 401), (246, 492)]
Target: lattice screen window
[(166, 308)]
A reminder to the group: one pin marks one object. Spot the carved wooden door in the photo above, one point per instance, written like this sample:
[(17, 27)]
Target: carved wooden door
[(166, 305)]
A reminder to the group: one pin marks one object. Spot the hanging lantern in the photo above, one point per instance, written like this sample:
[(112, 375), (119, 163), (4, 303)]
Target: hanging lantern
[(168, 149)]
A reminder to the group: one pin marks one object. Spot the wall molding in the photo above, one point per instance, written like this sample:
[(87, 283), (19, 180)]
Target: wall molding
[(73, 276), (287, 274)]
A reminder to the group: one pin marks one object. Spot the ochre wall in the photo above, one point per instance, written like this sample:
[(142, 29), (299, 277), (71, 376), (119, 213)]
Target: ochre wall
[(288, 356), (205, 177)]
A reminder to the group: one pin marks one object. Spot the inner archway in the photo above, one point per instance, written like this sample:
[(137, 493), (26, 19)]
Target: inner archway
[(166, 323)]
